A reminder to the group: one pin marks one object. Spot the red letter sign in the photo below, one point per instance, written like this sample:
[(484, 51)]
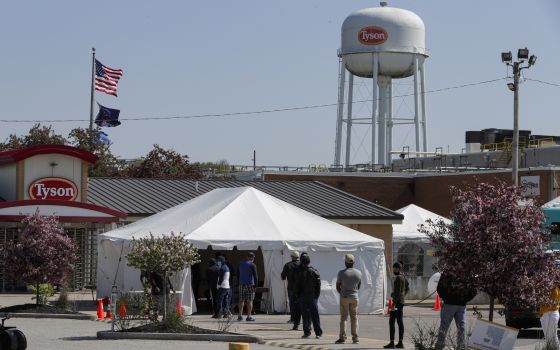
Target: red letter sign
[(53, 188), (372, 35)]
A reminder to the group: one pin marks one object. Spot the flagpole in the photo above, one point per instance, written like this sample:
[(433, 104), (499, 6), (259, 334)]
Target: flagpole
[(91, 101)]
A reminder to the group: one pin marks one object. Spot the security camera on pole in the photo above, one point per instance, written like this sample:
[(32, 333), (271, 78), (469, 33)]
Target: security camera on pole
[(522, 57)]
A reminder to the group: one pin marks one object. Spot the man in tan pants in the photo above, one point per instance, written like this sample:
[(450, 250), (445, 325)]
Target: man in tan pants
[(347, 284)]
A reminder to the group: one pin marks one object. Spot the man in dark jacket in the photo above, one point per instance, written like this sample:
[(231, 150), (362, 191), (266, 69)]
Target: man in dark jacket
[(212, 274), (455, 296), (396, 313), (289, 273), (308, 289)]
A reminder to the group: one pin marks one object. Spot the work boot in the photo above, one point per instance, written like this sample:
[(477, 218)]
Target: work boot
[(391, 345)]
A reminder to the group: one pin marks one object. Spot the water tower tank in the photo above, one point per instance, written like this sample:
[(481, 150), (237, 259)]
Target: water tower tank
[(381, 43), (397, 35)]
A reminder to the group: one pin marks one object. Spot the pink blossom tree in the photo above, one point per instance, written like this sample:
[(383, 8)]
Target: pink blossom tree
[(496, 243), (42, 253)]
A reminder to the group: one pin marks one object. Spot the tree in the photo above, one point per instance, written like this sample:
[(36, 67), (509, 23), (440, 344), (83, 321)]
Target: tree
[(159, 163), (162, 255), (42, 253), (38, 135), (163, 164), (108, 164), (496, 243)]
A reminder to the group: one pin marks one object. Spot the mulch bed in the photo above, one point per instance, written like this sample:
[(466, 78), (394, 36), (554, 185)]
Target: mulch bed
[(33, 308), (159, 327)]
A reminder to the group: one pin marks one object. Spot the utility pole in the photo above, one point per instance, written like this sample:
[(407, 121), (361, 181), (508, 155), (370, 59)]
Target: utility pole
[(254, 160), (522, 57)]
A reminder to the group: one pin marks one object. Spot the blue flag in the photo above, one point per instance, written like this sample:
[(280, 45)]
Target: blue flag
[(107, 117), (103, 138)]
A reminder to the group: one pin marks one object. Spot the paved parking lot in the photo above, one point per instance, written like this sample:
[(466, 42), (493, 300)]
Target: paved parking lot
[(72, 334)]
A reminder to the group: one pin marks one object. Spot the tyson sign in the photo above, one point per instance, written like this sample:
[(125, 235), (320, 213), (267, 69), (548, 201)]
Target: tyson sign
[(53, 188), (372, 35)]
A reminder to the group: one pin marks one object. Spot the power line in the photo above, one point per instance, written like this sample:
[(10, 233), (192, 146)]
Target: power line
[(543, 82), (232, 114)]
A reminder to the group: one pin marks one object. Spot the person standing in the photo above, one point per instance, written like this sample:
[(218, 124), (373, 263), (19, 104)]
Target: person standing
[(224, 289), (212, 276), (455, 296), (549, 319), (248, 279), (308, 290), (289, 273), (348, 283), (396, 313)]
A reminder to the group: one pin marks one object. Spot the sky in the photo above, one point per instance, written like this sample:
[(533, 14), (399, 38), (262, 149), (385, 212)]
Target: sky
[(185, 58)]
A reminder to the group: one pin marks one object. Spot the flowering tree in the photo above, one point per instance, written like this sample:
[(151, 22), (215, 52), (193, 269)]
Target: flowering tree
[(496, 244), (162, 163), (162, 255), (42, 253)]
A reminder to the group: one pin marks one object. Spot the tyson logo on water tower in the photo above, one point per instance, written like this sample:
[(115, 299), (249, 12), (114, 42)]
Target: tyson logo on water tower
[(53, 188), (372, 35)]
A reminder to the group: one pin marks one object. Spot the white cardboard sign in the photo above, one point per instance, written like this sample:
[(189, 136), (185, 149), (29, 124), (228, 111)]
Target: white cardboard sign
[(530, 185), (492, 336)]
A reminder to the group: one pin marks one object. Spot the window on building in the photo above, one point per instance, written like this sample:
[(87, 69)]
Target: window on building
[(411, 255)]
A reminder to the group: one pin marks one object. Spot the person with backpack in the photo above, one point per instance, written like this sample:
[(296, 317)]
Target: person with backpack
[(400, 289), (455, 296), (308, 290)]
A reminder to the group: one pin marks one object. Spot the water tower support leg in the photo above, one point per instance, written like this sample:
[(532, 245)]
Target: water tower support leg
[(424, 119), (416, 109), (349, 120), (375, 63), (338, 141), (389, 121), (383, 107)]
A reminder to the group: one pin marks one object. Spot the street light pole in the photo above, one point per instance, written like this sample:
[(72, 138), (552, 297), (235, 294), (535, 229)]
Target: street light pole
[(515, 145), (507, 58)]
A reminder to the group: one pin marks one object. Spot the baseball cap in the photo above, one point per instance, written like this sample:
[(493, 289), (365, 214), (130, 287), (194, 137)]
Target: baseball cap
[(349, 258), (294, 254), (251, 255)]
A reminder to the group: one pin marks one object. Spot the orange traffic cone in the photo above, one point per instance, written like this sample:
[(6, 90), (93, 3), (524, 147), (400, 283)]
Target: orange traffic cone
[(122, 311), (389, 306), (179, 308), (100, 309), (437, 304), (108, 314)]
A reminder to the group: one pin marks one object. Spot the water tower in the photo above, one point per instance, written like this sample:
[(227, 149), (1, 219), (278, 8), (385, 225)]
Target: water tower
[(381, 43)]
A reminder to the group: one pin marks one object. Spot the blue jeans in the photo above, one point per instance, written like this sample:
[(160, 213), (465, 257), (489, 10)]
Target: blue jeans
[(224, 301), (310, 314), (448, 313)]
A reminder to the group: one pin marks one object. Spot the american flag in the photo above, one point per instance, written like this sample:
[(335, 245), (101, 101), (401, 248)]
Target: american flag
[(106, 78)]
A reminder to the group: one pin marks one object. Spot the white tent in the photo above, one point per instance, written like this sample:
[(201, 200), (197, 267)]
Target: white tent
[(248, 219), (413, 217)]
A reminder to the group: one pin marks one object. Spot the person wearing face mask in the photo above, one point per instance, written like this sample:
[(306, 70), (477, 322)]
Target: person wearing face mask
[(400, 288)]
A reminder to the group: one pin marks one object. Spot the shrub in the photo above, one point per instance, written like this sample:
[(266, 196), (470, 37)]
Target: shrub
[(42, 292)]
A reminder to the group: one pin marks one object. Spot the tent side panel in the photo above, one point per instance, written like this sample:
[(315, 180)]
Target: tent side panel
[(273, 264)]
